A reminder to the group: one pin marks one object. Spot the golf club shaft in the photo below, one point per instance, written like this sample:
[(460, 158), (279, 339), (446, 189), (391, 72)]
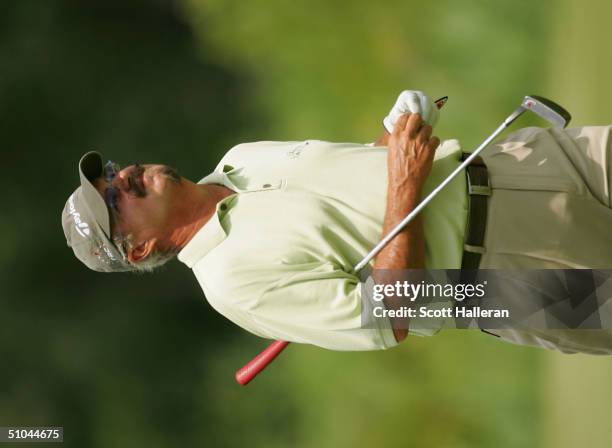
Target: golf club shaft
[(399, 227)]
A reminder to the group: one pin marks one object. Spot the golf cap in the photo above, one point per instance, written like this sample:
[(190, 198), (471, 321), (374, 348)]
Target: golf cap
[(86, 221)]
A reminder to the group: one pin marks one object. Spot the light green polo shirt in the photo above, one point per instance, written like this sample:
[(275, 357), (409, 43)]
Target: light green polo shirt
[(276, 258)]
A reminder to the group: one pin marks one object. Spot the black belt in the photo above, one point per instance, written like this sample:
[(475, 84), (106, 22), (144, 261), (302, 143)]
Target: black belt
[(479, 190)]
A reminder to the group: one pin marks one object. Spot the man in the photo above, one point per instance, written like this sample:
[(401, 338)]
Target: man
[(273, 233)]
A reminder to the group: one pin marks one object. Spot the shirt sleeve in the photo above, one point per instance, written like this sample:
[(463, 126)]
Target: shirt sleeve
[(312, 303)]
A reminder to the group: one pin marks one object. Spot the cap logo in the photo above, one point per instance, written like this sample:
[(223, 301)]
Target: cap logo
[(80, 226)]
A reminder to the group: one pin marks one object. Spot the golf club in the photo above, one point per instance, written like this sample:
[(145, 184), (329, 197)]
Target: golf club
[(543, 107)]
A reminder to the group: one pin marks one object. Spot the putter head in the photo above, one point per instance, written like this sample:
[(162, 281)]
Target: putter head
[(547, 109)]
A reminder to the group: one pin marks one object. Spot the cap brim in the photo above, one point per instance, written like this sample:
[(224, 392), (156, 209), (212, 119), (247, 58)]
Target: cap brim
[(86, 221), (90, 168)]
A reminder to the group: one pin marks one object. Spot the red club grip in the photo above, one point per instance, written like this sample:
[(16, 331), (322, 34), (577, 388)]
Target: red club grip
[(250, 371)]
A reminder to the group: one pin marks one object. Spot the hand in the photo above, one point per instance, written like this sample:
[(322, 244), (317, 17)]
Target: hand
[(415, 102), (410, 155)]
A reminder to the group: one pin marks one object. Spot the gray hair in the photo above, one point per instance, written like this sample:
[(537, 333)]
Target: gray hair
[(151, 262)]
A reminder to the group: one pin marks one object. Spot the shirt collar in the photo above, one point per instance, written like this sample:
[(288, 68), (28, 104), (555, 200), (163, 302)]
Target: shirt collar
[(207, 238), (212, 233), (219, 176)]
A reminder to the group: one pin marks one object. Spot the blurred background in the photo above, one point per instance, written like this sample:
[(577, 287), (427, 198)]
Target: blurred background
[(142, 360)]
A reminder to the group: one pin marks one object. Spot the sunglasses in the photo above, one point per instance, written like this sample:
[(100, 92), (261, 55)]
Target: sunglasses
[(111, 193), (110, 197)]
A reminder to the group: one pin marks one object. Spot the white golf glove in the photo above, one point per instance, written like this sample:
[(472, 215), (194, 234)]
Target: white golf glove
[(415, 102)]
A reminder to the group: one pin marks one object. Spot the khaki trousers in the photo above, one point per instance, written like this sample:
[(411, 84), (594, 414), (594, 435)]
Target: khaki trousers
[(550, 208)]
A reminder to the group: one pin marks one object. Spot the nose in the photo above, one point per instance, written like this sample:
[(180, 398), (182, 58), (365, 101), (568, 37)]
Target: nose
[(121, 179)]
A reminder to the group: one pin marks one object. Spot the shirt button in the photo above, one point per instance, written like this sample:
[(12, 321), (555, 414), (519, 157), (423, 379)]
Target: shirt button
[(267, 185)]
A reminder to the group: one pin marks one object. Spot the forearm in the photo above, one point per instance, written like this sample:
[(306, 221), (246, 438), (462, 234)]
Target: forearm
[(410, 152), (405, 251)]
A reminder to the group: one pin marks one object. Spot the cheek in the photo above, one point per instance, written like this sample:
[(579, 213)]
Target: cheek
[(142, 213)]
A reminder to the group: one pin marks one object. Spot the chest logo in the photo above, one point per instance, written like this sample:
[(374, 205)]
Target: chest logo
[(297, 151)]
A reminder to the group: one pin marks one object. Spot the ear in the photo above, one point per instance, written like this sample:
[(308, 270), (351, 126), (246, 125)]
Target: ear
[(142, 250)]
